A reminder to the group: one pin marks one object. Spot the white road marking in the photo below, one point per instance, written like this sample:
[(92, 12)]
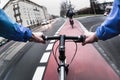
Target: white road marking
[(49, 47), (57, 33), (52, 41), (83, 28), (45, 57), (38, 73)]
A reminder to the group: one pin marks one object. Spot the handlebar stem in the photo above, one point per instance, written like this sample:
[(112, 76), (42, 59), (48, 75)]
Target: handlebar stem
[(62, 48)]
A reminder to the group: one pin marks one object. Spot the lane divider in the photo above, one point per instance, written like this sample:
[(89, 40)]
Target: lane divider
[(39, 72), (45, 57), (52, 41), (49, 47)]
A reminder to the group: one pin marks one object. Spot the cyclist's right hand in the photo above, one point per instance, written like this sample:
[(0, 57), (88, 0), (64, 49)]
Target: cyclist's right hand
[(90, 38)]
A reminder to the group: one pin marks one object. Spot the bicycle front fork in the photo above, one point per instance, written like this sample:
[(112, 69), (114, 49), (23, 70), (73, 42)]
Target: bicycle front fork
[(63, 71), (65, 67)]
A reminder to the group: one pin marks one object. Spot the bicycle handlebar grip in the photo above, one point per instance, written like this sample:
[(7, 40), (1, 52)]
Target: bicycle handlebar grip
[(44, 37), (83, 37), (50, 37)]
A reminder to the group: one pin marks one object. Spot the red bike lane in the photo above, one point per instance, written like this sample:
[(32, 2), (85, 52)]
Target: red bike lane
[(88, 64)]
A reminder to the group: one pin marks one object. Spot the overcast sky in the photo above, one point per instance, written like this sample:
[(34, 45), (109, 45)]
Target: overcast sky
[(53, 6)]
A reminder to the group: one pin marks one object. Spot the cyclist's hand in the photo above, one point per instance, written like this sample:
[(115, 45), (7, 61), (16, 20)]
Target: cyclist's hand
[(90, 38), (37, 37)]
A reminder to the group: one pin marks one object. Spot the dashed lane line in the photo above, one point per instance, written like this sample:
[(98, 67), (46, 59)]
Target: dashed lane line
[(45, 57), (39, 73), (49, 47), (52, 41)]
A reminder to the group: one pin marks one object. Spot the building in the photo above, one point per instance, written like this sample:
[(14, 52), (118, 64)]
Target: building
[(104, 5), (26, 12), (98, 8)]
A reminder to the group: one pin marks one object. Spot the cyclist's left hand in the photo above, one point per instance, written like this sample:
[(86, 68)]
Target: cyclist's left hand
[(37, 37)]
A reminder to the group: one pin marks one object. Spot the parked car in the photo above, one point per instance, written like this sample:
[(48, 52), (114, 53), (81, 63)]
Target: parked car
[(107, 10), (44, 22), (3, 41)]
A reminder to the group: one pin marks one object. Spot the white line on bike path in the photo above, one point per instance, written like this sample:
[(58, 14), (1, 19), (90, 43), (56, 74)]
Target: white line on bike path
[(49, 47), (52, 41), (45, 57), (40, 69), (38, 75)]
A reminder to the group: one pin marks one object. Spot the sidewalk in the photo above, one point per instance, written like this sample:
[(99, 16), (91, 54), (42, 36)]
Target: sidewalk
[(88, 64)]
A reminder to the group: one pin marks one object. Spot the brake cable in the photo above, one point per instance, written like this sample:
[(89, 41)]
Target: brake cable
[(74, 53), (54, 53)]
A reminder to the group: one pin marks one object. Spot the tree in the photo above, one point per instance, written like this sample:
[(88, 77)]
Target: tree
[(94, 6), (63, 9)]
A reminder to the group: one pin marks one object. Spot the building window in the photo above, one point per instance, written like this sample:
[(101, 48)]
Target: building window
[(27, 22), (18, 18), (16, 11), (16, 6)]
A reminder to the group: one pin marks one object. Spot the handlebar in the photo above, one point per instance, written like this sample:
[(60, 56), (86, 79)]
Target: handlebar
[(80, 38), (62, 39), (62, 67)]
